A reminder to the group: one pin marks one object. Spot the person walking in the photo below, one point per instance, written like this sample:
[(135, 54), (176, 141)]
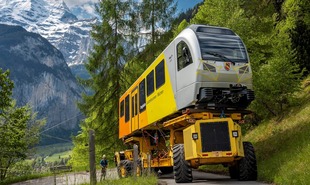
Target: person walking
[(104, 165)]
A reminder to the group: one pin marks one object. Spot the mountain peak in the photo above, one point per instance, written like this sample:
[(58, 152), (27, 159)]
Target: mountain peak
[(53, 20)]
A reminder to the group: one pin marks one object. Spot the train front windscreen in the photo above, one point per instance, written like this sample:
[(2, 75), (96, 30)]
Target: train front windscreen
[(218, 47)]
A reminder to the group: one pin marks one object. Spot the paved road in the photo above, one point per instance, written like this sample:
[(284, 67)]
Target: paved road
[(200, 178)]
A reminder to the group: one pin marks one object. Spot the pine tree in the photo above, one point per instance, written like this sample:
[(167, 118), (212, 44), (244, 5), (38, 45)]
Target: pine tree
[(157, 16), (105, 66)]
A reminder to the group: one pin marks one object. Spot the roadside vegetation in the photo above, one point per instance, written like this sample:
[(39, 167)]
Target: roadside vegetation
[(144, 180), (282, 145), (49, 150), (19, 128), (11, 180), (39, 162)]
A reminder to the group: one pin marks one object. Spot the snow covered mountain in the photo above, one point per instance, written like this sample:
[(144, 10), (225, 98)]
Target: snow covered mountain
[(53, 20), (85, 10)]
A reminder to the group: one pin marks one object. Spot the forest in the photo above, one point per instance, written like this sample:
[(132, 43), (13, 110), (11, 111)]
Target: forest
[(130, 36)]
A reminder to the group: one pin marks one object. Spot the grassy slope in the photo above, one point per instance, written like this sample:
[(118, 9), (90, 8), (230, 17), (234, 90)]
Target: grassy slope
[(49, 150), (283, 147), (58, 156)]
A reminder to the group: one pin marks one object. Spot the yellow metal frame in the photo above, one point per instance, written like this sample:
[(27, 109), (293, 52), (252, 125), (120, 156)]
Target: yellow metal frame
[(181, 130), (159, 162), (129, 154), (188, 119)]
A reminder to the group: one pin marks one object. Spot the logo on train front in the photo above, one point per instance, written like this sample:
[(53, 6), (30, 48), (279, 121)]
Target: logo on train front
[(227, 66)]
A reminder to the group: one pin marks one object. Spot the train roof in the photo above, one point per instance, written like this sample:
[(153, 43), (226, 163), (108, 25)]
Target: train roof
[(197, 28)]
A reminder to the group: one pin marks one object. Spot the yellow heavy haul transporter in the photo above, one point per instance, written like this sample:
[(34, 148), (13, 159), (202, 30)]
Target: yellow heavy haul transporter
[(184, 110)]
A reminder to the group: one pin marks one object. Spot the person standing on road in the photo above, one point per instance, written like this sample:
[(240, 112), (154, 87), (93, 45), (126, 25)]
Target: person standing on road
[(104, 165)]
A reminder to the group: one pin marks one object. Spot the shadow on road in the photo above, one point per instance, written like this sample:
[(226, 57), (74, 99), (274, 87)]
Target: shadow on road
[(206, 178)]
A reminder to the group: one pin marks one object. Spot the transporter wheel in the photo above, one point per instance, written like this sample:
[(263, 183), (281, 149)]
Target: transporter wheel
[(247, 165), (124, 168), (181, 168), (234, 171)]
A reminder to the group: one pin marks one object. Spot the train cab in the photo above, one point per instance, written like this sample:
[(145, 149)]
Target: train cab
[(213, 69)]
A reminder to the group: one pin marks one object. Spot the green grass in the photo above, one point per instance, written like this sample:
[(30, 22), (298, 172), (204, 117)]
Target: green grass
[(49, 150), (62, 150), (58, 156), (24, 178), (283, 147)]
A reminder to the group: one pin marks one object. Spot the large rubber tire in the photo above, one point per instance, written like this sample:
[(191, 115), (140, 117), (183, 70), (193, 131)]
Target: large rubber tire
[(181, 168), (124, 168), (247, 165)]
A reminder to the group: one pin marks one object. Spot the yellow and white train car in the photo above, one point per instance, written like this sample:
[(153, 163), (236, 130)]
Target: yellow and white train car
[(204, 67)]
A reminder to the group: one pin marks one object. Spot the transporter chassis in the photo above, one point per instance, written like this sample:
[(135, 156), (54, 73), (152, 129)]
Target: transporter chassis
[(187, 140)]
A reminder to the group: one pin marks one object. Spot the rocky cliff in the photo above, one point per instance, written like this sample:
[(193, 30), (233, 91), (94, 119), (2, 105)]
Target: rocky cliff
[(42, 79)]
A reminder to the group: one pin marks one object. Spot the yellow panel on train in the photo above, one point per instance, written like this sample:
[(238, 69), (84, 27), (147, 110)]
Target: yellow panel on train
[(160, 103)]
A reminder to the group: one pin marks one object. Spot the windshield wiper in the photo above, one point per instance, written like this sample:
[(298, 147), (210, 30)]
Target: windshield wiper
[(220, 56)]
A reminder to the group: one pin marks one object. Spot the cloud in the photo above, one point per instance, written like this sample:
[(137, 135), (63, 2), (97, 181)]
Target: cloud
[(89, 9), (71, 3)]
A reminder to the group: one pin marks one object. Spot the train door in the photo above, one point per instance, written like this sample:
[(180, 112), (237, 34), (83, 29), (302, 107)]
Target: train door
[(185, 73), (134, 110), (170, 58)]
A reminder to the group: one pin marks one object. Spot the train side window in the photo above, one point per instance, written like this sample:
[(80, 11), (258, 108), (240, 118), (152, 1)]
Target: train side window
[(160, 74), (122, 109), (150, 83), (184, 55), (142, 103), (132, 106), (127, 109)]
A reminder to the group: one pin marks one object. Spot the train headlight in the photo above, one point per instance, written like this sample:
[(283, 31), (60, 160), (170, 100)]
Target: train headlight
[(195, 136), (235, 133)]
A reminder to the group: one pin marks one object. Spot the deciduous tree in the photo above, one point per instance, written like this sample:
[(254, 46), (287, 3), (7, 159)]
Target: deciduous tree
[(18, 127)]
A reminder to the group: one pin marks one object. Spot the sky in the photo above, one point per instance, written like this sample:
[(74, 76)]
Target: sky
[(182, 4), (71, 3)]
